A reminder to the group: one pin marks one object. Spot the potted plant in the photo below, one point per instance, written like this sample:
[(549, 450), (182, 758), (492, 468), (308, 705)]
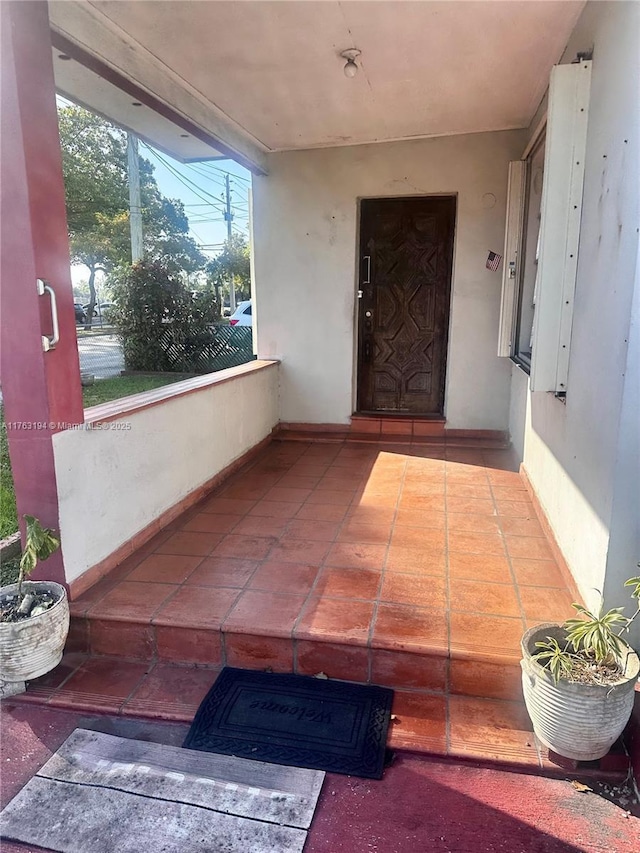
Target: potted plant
[(578, 680), (34, 615)]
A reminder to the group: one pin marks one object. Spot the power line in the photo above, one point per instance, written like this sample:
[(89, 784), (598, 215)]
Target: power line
[(206, 165), (197, 236), (204, 174), (201, 217), (184, 180)]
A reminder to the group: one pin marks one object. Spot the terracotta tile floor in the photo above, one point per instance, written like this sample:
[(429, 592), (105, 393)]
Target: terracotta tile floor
[(414, 566)]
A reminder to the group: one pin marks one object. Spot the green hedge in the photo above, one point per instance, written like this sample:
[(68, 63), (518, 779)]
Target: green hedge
[(164, 327)]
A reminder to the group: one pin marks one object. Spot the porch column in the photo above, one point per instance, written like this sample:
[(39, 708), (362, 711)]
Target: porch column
[(41, 390)]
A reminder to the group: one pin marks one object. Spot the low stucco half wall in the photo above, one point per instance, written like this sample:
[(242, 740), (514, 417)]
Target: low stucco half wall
[(116, 476)]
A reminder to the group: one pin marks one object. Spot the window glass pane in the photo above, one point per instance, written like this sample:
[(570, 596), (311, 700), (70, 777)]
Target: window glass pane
[(526, 302), (247, 310)]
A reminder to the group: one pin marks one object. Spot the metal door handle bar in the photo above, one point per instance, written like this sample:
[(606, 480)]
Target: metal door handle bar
[(49, 343)]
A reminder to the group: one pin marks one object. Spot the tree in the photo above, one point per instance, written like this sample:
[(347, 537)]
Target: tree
[(233, 261), (94, 162)]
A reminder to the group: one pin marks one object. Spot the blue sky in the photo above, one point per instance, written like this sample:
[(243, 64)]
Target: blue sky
[(200, 186)]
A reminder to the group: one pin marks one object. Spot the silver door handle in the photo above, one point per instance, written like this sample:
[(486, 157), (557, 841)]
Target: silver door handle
[(367, 258), (49, 343)]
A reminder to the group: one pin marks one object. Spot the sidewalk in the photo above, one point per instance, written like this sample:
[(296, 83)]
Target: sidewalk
[(421, 804)]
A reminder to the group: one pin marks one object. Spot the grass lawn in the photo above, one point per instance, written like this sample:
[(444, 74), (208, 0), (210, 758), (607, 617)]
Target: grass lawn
[(9, 571), (104, 390)]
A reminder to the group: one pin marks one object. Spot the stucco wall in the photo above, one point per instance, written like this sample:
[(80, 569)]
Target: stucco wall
[(577, 454), (624, 538), (519, 412), (113, 482), (305, 253)]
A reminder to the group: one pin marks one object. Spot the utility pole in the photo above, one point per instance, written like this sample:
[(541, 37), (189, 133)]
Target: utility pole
[(135, 203), (229, 218)]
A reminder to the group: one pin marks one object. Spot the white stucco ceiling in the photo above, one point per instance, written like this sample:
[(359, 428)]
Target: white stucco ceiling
[(273, 68)]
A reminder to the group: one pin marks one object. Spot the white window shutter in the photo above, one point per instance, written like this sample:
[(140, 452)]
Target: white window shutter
[(512, 253), (560, 224)]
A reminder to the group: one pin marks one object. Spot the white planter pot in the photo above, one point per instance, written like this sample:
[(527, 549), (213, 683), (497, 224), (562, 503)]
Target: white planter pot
[(578, 721), (34, 646)]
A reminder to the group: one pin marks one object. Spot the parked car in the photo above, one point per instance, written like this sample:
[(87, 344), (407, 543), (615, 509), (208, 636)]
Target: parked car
[(101, 310), (81, 317), (242, 315)]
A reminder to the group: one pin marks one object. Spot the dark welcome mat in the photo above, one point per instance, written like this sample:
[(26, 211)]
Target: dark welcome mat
[(295, 720)]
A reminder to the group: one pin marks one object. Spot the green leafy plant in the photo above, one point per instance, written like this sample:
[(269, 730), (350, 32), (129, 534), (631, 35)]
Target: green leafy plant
[(40, 544), (556, 659), (161, 325), (165, 327), (593, 642)]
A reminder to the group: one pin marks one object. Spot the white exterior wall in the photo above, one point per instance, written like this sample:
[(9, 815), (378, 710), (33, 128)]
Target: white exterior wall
[(579, 455), (624, 539), (519, 420), (113, 482), (305, 215)]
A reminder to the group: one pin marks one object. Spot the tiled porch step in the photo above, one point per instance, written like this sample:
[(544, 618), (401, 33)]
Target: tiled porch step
[(391, 428), (493, 731), (396, 663), (417, 428), (427, 434)]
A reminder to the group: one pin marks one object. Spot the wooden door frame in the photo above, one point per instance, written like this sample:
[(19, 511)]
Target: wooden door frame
[(357, 319)]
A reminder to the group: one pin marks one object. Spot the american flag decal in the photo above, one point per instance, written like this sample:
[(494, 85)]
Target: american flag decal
[(493, 261)]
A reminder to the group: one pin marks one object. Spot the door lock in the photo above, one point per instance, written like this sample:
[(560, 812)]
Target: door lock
[(368, 314)]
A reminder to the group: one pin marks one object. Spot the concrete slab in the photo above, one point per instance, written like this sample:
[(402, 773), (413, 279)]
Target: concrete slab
[(267, 792), (70, 818), (100, 792)]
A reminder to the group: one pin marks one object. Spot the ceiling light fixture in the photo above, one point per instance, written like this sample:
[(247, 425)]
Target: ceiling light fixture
[(351, 67)]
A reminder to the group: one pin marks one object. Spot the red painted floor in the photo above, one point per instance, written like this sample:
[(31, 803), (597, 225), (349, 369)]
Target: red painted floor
[(421, 804)]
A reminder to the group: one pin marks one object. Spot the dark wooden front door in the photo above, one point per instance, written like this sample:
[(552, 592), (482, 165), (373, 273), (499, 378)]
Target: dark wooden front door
[(406, 251)]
